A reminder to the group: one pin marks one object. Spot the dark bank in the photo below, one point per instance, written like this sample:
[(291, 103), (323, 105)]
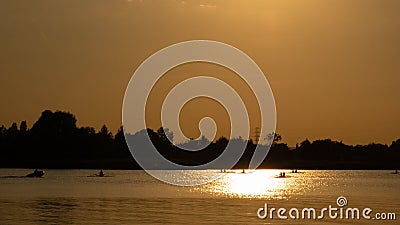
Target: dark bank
[(55, 141)]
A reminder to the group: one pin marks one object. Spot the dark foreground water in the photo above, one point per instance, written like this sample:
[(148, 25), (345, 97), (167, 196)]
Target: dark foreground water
[(133, 197)]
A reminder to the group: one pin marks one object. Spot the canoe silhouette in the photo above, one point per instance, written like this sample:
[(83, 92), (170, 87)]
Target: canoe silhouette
[(37, 173)]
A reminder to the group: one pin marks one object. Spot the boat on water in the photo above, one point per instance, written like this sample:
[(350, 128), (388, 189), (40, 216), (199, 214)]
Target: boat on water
[(281, 175), (100, 174), (36, 173)]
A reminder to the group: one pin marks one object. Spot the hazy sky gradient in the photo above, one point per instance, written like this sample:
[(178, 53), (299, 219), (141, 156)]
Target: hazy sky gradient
[(333, 65)]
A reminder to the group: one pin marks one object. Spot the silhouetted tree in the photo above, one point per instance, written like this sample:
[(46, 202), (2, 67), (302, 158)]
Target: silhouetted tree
[(3, 131), (55, 141), (54, 124), (165, 135), (121, 146), (23, 127), (273, 138), (13, 129), (119, 136), (104, 132), (305, 143), (12, 133)]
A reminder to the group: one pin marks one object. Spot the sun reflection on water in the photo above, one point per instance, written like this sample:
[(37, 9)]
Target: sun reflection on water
[(261, 184)]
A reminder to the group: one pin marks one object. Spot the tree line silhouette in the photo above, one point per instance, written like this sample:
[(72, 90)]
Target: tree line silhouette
[(55, 141)]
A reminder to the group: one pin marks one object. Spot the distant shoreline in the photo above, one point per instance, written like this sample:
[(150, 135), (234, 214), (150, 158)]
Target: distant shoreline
[(55, 141)]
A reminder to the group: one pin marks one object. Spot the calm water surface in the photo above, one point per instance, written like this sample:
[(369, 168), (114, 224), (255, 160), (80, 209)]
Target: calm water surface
[(133, 197)]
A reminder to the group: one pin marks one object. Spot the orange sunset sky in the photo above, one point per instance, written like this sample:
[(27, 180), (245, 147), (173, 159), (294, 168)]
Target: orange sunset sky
[(333, 65)]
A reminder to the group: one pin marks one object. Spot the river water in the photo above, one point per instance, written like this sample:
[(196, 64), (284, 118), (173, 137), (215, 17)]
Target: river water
[(134, 197)]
